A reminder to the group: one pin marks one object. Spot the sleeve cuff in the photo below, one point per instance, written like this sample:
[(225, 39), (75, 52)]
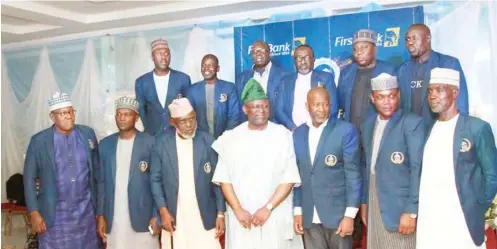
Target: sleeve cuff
[(351, 212), (297, 211)]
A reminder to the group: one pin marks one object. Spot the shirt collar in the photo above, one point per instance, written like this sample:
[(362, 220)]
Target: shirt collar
[(321, 126), (266, 69), (304, 76)]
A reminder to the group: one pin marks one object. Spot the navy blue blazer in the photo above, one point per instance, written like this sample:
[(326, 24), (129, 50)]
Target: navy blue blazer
[(155, 118), (164, 176), (140, 202), (226, 106), (397, 184), (404, 77), (334, 181), (475, 172), (275, 75), (346, 84), (40, 162), (286, 93)]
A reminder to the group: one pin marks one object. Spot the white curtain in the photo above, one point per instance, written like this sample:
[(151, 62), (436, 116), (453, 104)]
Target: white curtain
[(196, 48), (33, 111), (12, 154), (88, 96), (468, 40)]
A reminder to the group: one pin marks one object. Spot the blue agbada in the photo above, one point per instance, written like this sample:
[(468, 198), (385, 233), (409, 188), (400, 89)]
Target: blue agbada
[(414, 78), (74, 226)]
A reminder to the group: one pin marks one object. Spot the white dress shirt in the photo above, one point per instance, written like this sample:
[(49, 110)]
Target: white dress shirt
[(161, 85), (314, 136), (300, 114), (264, 77)]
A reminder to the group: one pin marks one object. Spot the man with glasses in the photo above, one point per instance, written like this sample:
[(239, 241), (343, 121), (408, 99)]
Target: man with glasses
[(291, 111), (66, 160)]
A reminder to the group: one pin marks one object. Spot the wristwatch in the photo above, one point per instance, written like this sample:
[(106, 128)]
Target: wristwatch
[(269, 206), (413, 216)]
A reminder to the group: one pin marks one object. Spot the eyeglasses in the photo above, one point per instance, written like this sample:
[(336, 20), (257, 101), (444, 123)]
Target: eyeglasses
[(65, 113)]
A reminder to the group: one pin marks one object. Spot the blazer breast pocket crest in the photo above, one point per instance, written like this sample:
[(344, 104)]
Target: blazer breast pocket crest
[(223, 97), (143, 166), (465, 145), (207, 167), (397, 157), (330, 160)]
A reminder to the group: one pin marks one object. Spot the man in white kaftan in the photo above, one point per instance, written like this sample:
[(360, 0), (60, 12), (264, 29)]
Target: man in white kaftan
[(459, 176), (125, 204), (257, 170), (191, 207)]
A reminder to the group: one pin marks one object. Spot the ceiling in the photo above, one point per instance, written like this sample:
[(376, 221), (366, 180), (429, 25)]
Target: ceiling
[(25, 21)]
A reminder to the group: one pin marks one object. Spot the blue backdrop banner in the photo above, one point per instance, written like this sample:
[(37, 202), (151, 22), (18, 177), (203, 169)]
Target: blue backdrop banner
[(330, 38)]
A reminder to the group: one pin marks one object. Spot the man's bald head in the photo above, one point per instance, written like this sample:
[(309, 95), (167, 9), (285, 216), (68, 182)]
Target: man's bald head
[(418, 41), (318, 105), (420, 26)]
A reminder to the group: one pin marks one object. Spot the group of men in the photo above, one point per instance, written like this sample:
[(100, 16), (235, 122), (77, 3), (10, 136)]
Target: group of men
[(266, 159)]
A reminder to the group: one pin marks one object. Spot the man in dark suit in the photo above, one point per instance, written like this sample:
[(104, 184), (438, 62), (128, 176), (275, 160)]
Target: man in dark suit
[(354, 85), (291, 111), (264, 72), (393, 143), (414, 74), (327, 202), (459, 176), (65, 159), (125, 204), (191, 207), (155, 90), (215, 101)]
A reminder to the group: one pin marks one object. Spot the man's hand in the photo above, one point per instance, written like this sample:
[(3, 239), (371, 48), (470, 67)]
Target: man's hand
[(167, 221), (243, 217), (346, 227), (102, 228), (153, 224), (37, 222), (364, 214), (219, 226), (297, 224), (407, 224), (260, 217)]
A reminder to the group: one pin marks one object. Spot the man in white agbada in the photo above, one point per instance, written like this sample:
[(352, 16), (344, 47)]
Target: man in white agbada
[(191, 207), (459, 176), (257, 171), (125, 204)]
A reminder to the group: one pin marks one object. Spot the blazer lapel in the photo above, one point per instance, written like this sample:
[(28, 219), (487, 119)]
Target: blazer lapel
[(171, 88), (50, 146), (173, 154), (461, 123), (348, 98), (112, 157), (197, 155), (431, 63), (322, 140), (135, 156), (315, 81), (391, 123), (152, 90), (86, 142), (307, 153), (368, 137), (290, 93)]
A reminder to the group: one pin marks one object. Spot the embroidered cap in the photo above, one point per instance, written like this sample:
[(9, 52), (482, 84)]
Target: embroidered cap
[(444, 76), (253, 91), (365, 35), (383, 82), (180, 108), (128, 103), (58, 101), (159, 44)]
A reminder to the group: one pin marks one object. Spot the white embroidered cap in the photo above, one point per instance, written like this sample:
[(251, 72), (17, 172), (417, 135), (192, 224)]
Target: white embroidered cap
[(128, 103), (180, 108), (444, 76), (58, 101), (384, 82)]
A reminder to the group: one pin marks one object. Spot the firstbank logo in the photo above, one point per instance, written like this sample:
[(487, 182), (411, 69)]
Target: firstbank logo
[(297, 41), (276, 50), (391, 37)]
